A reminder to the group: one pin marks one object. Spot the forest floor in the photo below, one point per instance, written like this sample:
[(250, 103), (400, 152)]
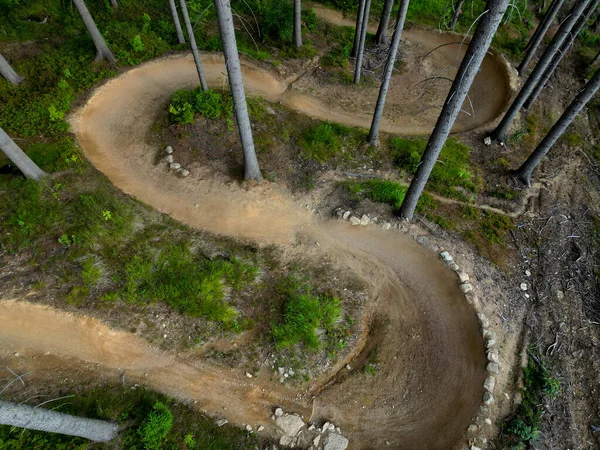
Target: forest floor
[(413, 316)]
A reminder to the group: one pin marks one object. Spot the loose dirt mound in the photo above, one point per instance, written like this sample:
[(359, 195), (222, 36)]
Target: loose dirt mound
[(430, 352)]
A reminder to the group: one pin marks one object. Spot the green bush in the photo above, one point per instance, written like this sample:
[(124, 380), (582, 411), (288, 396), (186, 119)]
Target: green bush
[(156, 426), (209, 104), (306, 316), (278, 21), (343, 41), (182, 106), (384, 191), (326, 140)]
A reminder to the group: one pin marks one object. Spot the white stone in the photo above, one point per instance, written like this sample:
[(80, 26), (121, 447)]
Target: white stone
[(222, 422), (290, 424), (466, 287), (488, 421), (472, 429), (386, 226), (346, 215), (334, 441), (527, 273), (354, 220), (493, 367), (487, 141), (490, 343), (325, 427), (248, 374), (285, 440), (447, 257), (523, 286), (364, 220), (175, 166), (169, 159), (317, 440), (278, 412), (485, 323), (168, 149), (492, 356), (488, 398), (260, 428), (474, 448), (338, 212), (463, 277), (489, 384), (248, 427), (184, 173)]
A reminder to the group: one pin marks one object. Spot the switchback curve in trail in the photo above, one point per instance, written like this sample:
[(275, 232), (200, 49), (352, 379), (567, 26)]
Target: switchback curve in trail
[(432, 363)]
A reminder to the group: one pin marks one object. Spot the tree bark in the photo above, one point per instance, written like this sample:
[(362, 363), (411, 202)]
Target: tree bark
[(8, 72), (564, 48), (194, 47), (478, 47), (102, 50), (596, 59), (456, 14), (298, 23), (232, 62), (358, 28), (525, 171), (19, 159), (24, 416), (499, 133), (176, 22), (361, 46), (381, 37), (114, 3), (539, 34), (389, 69)]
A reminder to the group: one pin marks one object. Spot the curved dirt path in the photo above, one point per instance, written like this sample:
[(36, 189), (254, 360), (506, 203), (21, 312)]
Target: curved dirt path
[(432, 364)]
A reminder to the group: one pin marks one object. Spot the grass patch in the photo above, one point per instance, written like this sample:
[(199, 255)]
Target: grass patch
[(384, 191), (327, 141), (307, 318), (342, 39), (452, 170), (210, 104)]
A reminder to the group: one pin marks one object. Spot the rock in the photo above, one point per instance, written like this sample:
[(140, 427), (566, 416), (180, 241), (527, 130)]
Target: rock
[(492, 356), (316, 441), (281, 371), (331, 427), (490, 343), (487, 141), (488, 421), (168, 149), (354, 220), (472, 446), (493, 367), (364, 220), (290, 424), (285, 440), (488, 398), (175, 166), (339, 213), (523, 286), (311, 428), (184, 173), (472, 429), (248, 374), (248, 427), (334, 441), (169, 159), (222, 422), (278, 412), (462, 276), (489, 384), (485, 323), (346, 215), (488, 334), (528, 273), (423, 241), (325, 427), (446, 257), (260, 428), (386, 226), (454, 266), (466, 287)]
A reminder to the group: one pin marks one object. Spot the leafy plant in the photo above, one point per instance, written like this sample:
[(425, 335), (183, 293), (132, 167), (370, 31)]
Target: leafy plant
[(156, 426)]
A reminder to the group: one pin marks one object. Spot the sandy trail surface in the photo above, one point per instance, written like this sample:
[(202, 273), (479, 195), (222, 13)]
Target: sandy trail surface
[(430, 351)]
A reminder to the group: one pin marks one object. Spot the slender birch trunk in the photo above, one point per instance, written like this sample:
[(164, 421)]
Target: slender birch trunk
[(564, 48), (361, 46), (456, 14), (585, 95), (194, 47), (234, 70), (478, 47), (19, 158), (102, 50), (499, 133), (176, 22), (539, 34), (8, 72), (24, 416), (381, 37), (298, 23), (358, 28), (389, 69)]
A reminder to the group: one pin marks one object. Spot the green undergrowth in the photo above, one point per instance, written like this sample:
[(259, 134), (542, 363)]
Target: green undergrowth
[(326, 141), (210, 104), (390, 192), (523, 427), (452, 175), (314, 321), (149, 421)]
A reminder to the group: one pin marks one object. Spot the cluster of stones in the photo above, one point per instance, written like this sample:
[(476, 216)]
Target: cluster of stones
[(174, 165), (363, 220), (493, 360), (297, 434)]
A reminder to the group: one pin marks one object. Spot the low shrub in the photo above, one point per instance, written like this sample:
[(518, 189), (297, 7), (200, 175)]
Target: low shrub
[(156, 426)]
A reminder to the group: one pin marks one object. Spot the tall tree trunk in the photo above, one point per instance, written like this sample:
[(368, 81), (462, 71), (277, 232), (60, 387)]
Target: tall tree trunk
[(381, 37), (232, 61), (361, 45), (194, 47), (499, 133), (539, 34), (478, 47), (524, 172), (456, 14), (298, 23), (102, 50), (564, 48), (596, 24), (114, 3), (389, 69), (596, 59), (358, 28), (24, 416), (19, 158), (8, 72), (176, 22)]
